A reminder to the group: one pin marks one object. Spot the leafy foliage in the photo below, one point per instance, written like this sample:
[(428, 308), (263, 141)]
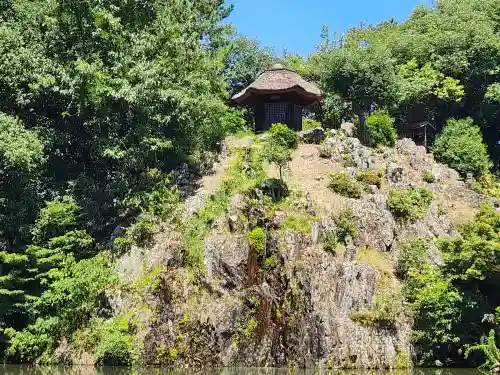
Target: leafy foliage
[(412, 255), (453, 302), (281, 135), (369, 178), (347, 224), (409, 203), (488, 347), (246, 59), (99, 102), (341, 184), (309, 124), (436, 304), (280, 143), (461, 147), (380, 129), (257, 240), (428, 177), (70, 301)]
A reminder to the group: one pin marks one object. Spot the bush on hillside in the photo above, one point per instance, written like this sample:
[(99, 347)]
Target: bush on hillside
[(282, 135), (341, 184), (380, 129), (257, 239), (280, 143), (412, 255), (347, 224), (330, 242), (309, 123), (409, 203), (369, 178), (487, 184), (461, 146), (428, 177)]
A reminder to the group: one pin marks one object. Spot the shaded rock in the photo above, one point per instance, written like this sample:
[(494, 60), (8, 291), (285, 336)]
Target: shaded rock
[(395, 173), (232, 221), (315, 135), (278, 219)]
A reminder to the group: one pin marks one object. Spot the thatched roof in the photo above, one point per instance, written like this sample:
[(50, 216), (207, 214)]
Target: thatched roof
[(279, 80)]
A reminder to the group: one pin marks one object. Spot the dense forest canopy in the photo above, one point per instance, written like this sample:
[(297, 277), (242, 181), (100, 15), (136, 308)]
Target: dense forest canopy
[(101, 100)]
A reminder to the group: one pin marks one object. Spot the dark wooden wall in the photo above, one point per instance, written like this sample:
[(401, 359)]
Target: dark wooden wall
[(269, 113)]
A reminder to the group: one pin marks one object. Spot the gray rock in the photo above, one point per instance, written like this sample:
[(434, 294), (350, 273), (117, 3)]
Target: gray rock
[(376, 225), (395, 173), (278, 219), (348, 129), (332, 142), (351, 171), (351, 253), (315, 135), (316, 232), (232, 221)]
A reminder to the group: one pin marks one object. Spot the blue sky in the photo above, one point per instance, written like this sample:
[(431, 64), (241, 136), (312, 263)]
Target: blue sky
[(295, 25)]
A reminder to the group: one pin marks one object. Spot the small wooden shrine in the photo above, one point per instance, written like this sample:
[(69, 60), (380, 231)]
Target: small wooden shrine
[(419, 127), (278, 95)]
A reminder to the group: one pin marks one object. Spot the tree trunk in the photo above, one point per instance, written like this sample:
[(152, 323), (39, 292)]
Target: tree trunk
[(362, 126)]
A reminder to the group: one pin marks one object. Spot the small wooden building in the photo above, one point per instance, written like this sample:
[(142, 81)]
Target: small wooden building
[(278, 95)]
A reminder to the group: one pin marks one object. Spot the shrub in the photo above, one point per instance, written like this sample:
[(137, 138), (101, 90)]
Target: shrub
[(275, 188), (270, 262), (380, 129), (428, 177), (57, 218), (280, 143), (369, 178), (409, 203), (330, 242), (488, 347), (116, 346), (348, 160), (461, 146), (384, 313), (283, 136), (487, 184), (309, 123), (413, 255), (257, 239), (325, 151), (347, 224), (343, 185), (142, 230)]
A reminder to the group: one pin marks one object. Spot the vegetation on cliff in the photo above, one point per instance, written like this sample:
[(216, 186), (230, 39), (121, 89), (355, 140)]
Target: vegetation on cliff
[(101, 100)]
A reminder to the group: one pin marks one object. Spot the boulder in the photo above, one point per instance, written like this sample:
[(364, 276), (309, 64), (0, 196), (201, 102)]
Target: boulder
[(395, 173), (348, 129), (315, 135), (375, 223)]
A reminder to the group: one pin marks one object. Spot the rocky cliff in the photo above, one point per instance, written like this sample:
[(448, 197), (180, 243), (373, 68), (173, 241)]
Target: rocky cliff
[(292, 300)]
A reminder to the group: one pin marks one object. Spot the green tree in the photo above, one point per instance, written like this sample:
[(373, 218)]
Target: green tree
[(362, 75), (104, 99), (380, 129), (461, 146), (280, 143), (246, 59)]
